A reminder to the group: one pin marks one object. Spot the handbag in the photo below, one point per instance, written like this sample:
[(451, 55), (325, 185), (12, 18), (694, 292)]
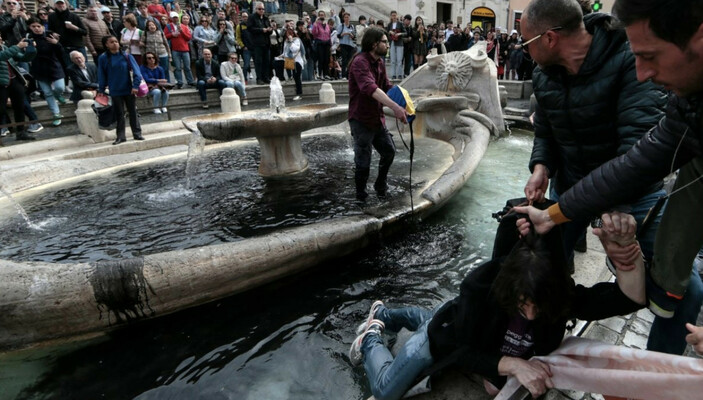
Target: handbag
[(143, 89), (289, 63)]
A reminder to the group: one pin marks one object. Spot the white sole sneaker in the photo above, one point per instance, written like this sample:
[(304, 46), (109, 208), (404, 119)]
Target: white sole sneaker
[(372, 315), (355, 356)]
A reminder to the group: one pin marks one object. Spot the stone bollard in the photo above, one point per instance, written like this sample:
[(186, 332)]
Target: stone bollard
[(88, 122), (230, 101), (327, 94), (503, 94)]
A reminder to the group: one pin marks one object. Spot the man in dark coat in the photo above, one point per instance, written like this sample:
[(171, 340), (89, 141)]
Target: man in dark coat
[(259, 29), (13, 23), (208, 71), (84, 76), (591, 109), (70, 29)]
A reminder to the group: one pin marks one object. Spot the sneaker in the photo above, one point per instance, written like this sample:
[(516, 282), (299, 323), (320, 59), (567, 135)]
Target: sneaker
[(157, 111), (57, 120), (297, 98), (61, 99), (179, 86), (4, 132), (164, 110), (206, 106), (328, 78), (245, 102), (355, 356), (34, 128), (372, 315)]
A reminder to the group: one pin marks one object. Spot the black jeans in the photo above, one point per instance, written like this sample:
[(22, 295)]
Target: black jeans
[(381, 140), (347, 54), (298, 81), (261, 63), (15, 91), (323, 58), (119, 102)]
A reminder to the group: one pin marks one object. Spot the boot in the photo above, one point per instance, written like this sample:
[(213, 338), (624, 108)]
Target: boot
[(381, 187), (24, 136), (360, 179)]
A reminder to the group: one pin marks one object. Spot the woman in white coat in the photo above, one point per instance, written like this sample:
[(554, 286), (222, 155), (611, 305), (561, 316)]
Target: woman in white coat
[(293, 48)]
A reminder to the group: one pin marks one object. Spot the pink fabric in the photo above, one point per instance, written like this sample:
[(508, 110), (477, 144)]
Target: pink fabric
[(595, 367)]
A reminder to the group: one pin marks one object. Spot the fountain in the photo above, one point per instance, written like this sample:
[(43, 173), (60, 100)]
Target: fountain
[(42, 300)]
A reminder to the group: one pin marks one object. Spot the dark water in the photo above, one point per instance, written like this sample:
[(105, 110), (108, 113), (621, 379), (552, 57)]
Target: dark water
[(143, 210), (288, 340)]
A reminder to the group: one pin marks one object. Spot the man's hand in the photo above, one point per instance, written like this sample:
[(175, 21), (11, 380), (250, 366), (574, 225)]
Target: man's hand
[(537, 185), (695, 338), (22, 44), (134, 92), (69, 25), (400, 114), (534, 375), (212, 79), (540, 218), (618, 238)]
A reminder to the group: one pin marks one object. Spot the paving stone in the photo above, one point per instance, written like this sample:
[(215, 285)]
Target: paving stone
[(632, 339), (640, 326), (614, 323), (599, 332), (645, 314)]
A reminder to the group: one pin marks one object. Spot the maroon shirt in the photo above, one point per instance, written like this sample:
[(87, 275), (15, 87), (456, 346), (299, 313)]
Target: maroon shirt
[(365, 76)]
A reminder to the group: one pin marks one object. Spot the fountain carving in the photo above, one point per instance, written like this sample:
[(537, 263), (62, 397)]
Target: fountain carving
[(41, 301)]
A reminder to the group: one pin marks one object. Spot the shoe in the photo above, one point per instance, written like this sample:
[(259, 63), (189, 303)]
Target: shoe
[(394, 77), (24, 136), (328, 78), (267, 82), (55, 122), (361, 196), (34, 128), (179, 86), (297, 98), (192, 84), (157, 111), (4, 132), (61, 99), (118, 141), (581, 246), (381, 188), (245, 102), (355, 356), (259, 82), (138, 137), (164, 110), (372, 315), (206, 106), (58, 116)]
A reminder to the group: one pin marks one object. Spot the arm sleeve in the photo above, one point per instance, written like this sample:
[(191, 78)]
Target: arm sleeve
[(623, 179), (363, 77), (102, 74), (544, 144), (603, 300), (87, 41)]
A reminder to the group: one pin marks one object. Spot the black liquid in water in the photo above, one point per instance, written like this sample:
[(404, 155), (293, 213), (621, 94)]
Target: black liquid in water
[(148, 209), (288, 340)]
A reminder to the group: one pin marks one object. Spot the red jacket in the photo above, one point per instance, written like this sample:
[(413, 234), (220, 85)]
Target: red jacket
[(180, 42)]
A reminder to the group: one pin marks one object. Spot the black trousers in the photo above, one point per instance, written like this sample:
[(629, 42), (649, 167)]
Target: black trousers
[(128, 102), (15, 92), (262, 63), (323, 58), (347, 54)]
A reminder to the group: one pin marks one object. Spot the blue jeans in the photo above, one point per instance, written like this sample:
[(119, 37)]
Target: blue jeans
[(181, 61), (238, 86), (246, 58), (51, 90), (396, 60), (667, 334), (283, 6), (390, 378), (163, 63), (309, 70), (160, 97), (203, 86), (270, 7)]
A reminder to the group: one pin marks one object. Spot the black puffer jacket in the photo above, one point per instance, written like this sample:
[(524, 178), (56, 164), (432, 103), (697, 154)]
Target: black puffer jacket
[(584, 120), (651, 159)]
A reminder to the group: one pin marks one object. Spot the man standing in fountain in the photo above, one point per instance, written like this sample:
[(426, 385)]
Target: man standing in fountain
[(368, 84)]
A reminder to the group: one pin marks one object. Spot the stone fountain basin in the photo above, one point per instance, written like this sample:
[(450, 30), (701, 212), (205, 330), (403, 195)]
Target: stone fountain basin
[(234, 126)]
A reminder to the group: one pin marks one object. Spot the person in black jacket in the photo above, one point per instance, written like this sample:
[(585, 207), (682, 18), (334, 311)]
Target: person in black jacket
[(84, 76), (70, 29), (259, 29), (48, 67), (591, 109), (665, 36), (509, 309), (13, 23), (208, 71)]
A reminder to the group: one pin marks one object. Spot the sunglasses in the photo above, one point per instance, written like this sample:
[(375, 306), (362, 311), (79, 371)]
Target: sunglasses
[(525, 44), (149, 58), (259, 8)]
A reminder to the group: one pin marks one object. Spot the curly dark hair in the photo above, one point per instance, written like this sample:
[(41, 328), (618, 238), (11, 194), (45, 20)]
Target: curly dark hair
[(674, 21)]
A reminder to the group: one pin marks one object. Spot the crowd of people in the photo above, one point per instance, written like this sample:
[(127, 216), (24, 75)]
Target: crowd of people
[(195, 46)]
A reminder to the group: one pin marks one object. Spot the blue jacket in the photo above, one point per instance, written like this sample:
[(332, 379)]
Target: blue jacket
[(151, 76), (113, 72)]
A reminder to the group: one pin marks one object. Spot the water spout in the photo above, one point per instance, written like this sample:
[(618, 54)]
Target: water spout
[(20, 209), (195, 149), (277, 100)]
